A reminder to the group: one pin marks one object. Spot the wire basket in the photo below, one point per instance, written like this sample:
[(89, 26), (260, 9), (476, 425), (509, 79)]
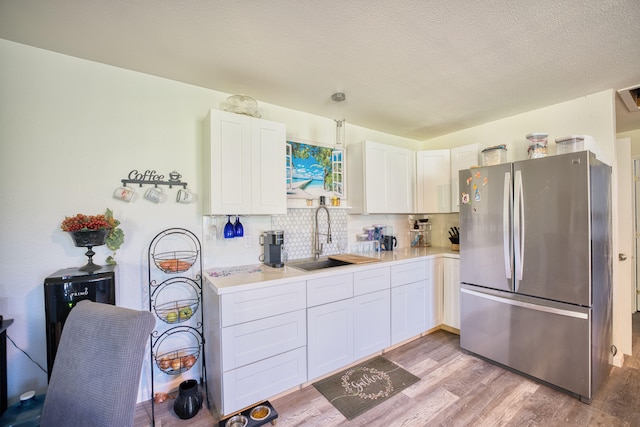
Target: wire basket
[(175, 261), (178, 361), (177, 311)]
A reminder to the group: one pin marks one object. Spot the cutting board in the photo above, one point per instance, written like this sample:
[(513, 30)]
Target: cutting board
[(353, 258)]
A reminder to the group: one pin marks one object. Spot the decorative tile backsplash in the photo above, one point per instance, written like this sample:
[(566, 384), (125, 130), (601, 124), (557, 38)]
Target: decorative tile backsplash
[(299, 229), (298, 226)]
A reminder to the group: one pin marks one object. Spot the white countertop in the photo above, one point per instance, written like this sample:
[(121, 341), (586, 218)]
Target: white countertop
[(241, 278)]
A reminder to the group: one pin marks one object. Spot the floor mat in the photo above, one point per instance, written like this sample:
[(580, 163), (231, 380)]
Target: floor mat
[(361, 387)]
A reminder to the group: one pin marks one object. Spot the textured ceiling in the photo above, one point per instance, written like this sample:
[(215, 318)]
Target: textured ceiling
[(414, 68)]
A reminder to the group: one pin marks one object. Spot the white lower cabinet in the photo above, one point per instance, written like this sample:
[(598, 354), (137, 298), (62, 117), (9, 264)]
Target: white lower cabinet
[(256, 343), (434, 295), (264, 341), (329, 337), (371, 323), (408, 300), (258, 381), (407, 311), (451, 284), (371, 311), (329, 323)]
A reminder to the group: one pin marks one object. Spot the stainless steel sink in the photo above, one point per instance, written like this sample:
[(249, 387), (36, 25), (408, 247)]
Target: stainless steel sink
[(311, 264)]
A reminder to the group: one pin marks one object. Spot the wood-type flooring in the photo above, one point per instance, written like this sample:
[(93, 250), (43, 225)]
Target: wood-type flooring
[(456, 389)]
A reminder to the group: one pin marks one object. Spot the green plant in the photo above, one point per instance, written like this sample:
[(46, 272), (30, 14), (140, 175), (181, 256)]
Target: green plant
[(115, 239)]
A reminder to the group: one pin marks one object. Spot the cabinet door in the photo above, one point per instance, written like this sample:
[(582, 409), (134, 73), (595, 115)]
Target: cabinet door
[(268, 168), (408, 314), (452, 292), (434, 295), (401, 178), (433, 181), (329, 337), (376, 177), (227, 146), (461, 158), (372, 323)]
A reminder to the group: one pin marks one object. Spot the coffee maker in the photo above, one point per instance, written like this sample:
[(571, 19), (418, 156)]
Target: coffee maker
[(273, 242)]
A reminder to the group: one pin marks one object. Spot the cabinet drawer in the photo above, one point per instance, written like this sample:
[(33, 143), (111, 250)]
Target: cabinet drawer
[(329, 289), (408, 273), (261, 380), (256, 304), (253, 341), (373, 280)]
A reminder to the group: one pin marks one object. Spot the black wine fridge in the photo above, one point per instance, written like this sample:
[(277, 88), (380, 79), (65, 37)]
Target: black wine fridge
[(62, 291)]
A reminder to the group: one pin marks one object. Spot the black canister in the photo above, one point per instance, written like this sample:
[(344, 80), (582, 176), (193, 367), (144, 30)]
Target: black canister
[(189, 400)]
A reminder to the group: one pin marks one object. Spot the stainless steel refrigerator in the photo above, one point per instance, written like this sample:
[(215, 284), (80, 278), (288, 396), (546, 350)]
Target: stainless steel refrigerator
[(535, 268)]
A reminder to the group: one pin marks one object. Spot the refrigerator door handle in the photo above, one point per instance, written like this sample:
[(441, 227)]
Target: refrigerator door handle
[(505, 224), (524, 304), (518, 228)]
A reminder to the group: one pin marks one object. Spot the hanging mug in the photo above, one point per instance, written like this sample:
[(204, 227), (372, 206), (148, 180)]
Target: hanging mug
[(154, 194), (124, 193), (184, 196)]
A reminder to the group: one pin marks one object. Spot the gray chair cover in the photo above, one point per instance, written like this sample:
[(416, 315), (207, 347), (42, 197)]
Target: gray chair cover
[(96, 372)]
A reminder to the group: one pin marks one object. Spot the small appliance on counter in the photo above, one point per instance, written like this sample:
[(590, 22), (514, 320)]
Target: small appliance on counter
[(273, 242), (389, 242)]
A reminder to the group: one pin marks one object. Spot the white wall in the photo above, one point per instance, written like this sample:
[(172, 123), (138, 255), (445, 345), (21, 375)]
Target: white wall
[(70, 130)]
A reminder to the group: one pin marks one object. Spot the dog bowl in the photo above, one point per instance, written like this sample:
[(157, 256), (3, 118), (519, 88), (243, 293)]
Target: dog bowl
[(237, 421), (259, 413)]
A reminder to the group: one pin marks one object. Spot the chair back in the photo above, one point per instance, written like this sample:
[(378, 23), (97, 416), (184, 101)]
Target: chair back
[(96, 372)]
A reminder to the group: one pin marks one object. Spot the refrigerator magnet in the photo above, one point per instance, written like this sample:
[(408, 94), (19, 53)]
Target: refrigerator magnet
[(465, 198)]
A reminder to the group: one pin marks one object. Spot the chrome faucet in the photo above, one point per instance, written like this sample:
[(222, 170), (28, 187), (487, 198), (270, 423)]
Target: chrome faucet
[(318, 246)]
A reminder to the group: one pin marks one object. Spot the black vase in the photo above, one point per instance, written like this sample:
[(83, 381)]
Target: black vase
[(89, 239), (189, 400)]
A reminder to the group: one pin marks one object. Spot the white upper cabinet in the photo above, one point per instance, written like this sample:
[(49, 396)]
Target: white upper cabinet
[(433, 179), (381, 178), (461, 158), (437, 177), (244, 165)]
